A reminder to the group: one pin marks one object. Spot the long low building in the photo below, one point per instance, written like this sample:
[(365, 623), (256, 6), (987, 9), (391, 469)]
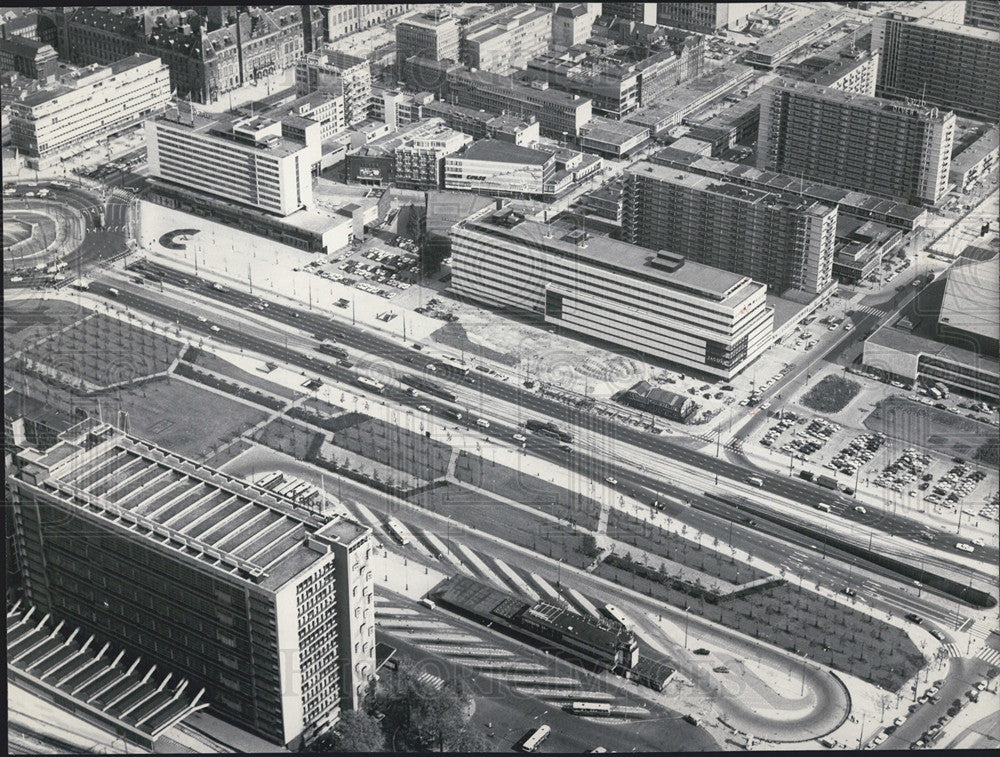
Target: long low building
[(655, 303)]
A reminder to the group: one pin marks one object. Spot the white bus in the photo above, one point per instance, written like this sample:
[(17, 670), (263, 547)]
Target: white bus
[(396, 529), (755, 481), (536, 738), (370, 383), (615, 614), (590, 708), (454, 365)]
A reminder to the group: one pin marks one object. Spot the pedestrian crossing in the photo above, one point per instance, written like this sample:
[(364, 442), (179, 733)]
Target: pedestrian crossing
[(432, 680), (992, 656), (953, 650), (870, 310), (980, 630)]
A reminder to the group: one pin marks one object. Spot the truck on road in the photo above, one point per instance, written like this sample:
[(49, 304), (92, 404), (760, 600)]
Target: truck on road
[(827, 481)]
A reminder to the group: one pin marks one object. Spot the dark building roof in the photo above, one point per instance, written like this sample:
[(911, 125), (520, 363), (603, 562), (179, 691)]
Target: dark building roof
[(505, 152)]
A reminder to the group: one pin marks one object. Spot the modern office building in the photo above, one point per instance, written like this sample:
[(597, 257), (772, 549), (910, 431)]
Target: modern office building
[(499, 168), (241, 159), (348, 18), (557, 112), (204, 64), (864, 143), (776, 48), (938, 62), (220, 581), (433, 35), (977, 160), (339, 74), (658, 305), (984, 14), (640, 13), (707, 18), (855, 204), (612, 139), (508, 41), (861, 248), (31, 58), (87, 105), (780, 240), (420, 159), (482, 125), (325, 108), (851, 70), (572, 22)]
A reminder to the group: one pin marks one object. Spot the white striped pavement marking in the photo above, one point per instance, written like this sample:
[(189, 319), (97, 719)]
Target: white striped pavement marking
[(389, 612), (953, 650), (506, 665), (582, 602), (479, 652), (476, 562), (990, 655), (445, 555), (567, 696), (432, 679), (515, 580), (550, 591), (369, 516)]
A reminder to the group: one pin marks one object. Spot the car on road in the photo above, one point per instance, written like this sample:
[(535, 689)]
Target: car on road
[(611, 480), (520, 438), (913, 618), (849, 591), (937, 634), (860, 509), (15, 279), (899, 721), (113, 292), (214, 328), (965, 547), (423, 408), (701, 651), (482, 423), (202, 319), (848, 327)]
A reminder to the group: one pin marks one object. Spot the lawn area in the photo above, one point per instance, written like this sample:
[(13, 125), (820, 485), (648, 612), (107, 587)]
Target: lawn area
[(399, 448), (213, 363), (831, 395), (799, 621), (101, 351), (289, 437), (930, 428), (27, 320), (679, 549), (516, 526), (182, 417), (528, 490)]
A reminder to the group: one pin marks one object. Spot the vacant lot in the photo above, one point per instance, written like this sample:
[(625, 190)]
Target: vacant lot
[(679, 549), (184, 418), (27, 320), (527, 490), (100, 351), (406, 451), (210, 362), (490, 516), (929, 428), (289, 437), (831, 395)]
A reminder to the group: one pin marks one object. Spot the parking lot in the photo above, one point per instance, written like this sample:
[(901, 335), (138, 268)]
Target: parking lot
[(383, 269)]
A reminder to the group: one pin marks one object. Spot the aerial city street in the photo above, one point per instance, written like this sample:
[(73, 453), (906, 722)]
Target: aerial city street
[(501, 377)]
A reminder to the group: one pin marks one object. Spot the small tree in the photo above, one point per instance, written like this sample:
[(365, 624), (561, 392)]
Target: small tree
[(357, 731)]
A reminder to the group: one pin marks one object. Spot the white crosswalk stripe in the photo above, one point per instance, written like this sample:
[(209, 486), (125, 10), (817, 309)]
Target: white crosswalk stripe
[(989, 654), (980, 630), (432, 679), (871, 310), (953, 650)]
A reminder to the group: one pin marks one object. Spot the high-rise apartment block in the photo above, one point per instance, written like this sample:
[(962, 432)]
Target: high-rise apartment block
[(864, 143), (781, 240), (433, 35), (707, 18), (657, 304), (507, 41), (939, 62), (246, 160), (340, 74), (266, 605), (983, 13), (86, 105)]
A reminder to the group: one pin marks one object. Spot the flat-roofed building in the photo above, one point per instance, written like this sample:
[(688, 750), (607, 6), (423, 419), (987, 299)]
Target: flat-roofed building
[(86, 105), (861, 248), (340, 74), (781, 240), (657, 304), (984, 14), (214, 579), (977, 160), (325, 108), (612, 139), (939, 62), (864, 143), (507, 41), (780, 46), (433, 34), (707, 18), (348, 18), (499, 168), (856, 204), (572, 22), (246, 160), (641, 13), (480, 124)]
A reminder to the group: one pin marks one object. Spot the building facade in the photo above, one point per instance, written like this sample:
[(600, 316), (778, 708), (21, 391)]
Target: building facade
[(433, 35), (348, 18), (658, 305), (215, 579), (508, 41), (572, 22), (641, 13), (984, 14), (244, 160), (340, 74), (31, 58), (780, 240), (499, 168), (939, 62), (863, 143), (420, 159), (86, 106), (707, 18)]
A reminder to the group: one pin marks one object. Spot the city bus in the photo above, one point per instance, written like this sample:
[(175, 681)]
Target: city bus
[(396, 529), (536, 738), (372, 384), (454, 365), (615, 614), (328, 348), (590, 708)]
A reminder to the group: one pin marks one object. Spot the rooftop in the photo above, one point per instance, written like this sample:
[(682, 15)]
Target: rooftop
[(971, 155), (72, 79), (972, 32), (670, 270), (222, 522), (778, 42), (612, 132), (505, 152), (857, 100), (223, 127), (487, 79), (970, 297)]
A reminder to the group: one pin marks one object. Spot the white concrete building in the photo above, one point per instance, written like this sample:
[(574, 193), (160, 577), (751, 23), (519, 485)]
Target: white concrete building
[(87, 105), (242, 160), (492, 166), (655, 303)]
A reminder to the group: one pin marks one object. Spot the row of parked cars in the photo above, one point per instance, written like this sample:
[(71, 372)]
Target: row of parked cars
[(905, 469), (860, 451)]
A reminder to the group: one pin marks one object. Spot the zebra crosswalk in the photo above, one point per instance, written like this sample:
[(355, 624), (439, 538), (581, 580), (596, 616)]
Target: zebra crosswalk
[(431, 679), (992, 656), (870, 310), (953, 650)]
